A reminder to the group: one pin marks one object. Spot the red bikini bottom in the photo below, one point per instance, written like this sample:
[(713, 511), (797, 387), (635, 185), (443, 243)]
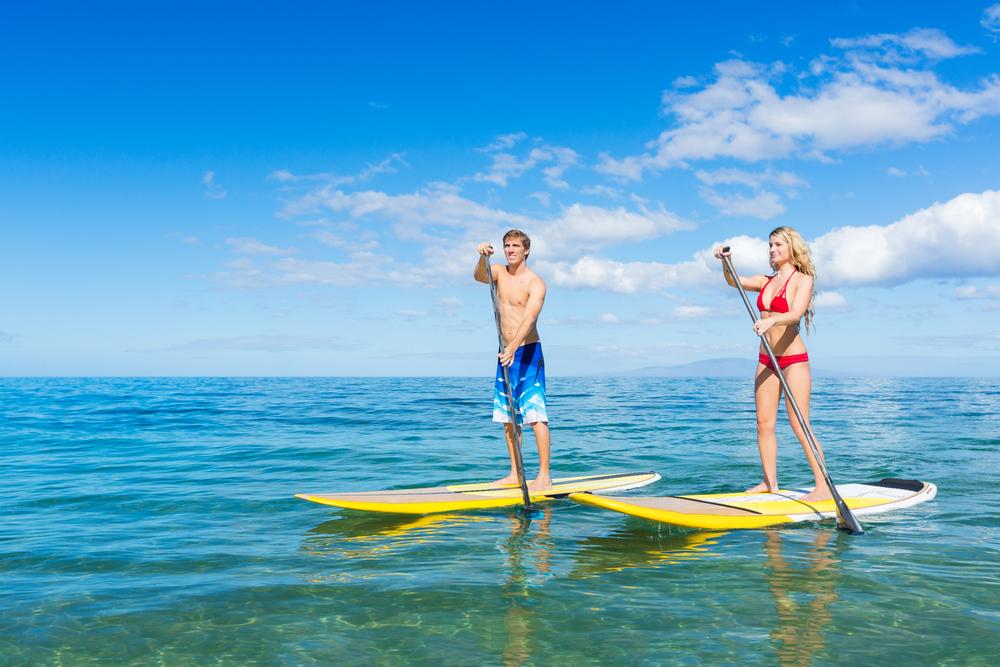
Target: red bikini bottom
[(785, 361)]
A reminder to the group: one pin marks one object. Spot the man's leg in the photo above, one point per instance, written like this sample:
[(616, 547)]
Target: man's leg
[(511, 477), (542, 438)]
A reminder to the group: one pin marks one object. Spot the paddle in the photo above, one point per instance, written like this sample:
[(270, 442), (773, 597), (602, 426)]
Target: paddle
[(845, 518), (518, 463)]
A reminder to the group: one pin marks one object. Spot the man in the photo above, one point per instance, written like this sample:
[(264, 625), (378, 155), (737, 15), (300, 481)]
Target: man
[(521, 294)]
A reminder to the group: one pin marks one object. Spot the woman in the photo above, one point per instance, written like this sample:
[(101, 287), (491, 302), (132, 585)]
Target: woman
[(784, 299)]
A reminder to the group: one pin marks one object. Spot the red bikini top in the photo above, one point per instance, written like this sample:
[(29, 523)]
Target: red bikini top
[(778, 304)]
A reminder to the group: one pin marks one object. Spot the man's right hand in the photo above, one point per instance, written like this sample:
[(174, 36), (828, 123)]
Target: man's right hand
[(484, 249)]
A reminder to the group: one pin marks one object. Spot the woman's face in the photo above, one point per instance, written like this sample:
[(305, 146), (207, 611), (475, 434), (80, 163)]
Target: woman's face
[(779, 250)]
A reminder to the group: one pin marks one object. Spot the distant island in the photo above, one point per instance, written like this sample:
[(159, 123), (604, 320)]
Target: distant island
[(846, 367), (724, 367)]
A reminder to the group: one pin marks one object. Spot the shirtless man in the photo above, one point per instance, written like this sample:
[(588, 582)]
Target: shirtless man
[(521, 294)]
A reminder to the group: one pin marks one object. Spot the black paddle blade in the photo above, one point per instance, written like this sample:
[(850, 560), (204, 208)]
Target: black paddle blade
[(846, 520)]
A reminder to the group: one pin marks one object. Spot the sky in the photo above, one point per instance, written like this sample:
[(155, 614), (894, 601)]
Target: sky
[(298, 188)]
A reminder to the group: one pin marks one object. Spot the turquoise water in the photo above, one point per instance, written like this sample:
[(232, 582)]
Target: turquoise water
[(151, 521)]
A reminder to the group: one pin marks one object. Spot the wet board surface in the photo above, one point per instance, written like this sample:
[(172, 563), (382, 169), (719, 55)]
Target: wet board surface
[(758, 510), (479, 495)]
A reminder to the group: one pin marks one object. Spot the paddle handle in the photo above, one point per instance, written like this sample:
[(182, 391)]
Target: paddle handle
[(518, 461), (846, 518)]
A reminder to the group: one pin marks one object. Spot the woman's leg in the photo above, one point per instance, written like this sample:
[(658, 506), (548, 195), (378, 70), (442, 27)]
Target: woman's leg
[(799, 380), (767, 391)]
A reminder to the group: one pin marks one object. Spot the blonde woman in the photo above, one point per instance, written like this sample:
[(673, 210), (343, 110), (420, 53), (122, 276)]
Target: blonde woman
[(784, 299)]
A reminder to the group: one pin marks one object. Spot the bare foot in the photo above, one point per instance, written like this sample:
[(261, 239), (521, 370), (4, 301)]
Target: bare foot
[(506, 481), (817, 495), (540, 484), (760, 488)]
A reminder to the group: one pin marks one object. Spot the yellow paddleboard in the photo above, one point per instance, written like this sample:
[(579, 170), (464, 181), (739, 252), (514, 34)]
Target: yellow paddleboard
[(721, 511), (481, 495)]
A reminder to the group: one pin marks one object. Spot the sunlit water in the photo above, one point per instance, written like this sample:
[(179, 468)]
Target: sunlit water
[(152, 521)]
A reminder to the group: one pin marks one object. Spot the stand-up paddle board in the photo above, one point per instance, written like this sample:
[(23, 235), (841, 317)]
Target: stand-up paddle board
[(756, 510), (474, 496)]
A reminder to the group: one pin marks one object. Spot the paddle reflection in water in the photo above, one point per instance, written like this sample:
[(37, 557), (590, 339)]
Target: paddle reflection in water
[(528, 552), (804, 585)]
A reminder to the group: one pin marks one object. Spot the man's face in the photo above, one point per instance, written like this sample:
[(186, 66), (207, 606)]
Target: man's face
[(513, 250)]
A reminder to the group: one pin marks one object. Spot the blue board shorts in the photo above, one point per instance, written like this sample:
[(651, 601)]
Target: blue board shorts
[(527, 377)]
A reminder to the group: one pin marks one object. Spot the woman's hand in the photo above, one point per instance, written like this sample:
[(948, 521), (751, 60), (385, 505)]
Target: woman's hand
[(761, 326)]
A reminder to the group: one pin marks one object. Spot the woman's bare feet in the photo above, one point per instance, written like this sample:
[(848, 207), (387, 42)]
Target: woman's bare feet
[(760, 488), (506, 481), (817, 494), (540, 484)]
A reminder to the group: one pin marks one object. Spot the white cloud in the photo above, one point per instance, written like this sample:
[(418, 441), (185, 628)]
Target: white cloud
[(503, 142), (506, 166), (389, 165), (927, 42), (627, 169), (449, 302), (703, 270), (946, 239), (685, 82), (841, 103), (973, 292), (692, 312), (212, 189), (991, 18), (943, 240), (250, 246), (412, 313), (893, 171), (587, 227), (364, 244), (608, 318), (831, 301), (763, 205), (386, 166), (446, 226), (362, 268), (785, 179), (543, 198), (601, 191)]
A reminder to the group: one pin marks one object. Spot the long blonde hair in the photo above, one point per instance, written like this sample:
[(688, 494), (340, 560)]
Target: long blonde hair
[(801, 259)]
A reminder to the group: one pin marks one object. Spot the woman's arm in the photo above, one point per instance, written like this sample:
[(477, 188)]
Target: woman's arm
[(753, 283)]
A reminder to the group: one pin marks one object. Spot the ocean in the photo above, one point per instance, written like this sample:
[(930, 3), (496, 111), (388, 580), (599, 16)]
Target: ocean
[(152, 521)]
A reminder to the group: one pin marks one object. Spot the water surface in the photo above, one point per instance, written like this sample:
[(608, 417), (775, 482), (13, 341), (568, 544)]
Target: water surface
[(153, 521)]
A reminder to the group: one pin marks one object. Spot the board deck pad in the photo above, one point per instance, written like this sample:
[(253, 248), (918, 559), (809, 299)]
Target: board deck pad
[(758, 510), (480, 495)]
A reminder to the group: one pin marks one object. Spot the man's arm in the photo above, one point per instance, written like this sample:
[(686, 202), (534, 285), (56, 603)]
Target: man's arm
[(536, 299), (484, 250)]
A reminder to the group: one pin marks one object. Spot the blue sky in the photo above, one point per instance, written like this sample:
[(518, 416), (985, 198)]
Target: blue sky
[(209, 190)]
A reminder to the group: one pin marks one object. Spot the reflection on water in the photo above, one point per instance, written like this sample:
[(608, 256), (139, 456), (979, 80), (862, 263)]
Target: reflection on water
[(528, 552), (804, 586), (633, 545), (362, 537)]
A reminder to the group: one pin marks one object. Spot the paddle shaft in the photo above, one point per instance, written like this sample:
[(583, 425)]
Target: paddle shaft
[(518, 462), (846, 518)]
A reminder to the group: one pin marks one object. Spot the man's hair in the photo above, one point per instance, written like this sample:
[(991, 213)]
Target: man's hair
[(520, 236)]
